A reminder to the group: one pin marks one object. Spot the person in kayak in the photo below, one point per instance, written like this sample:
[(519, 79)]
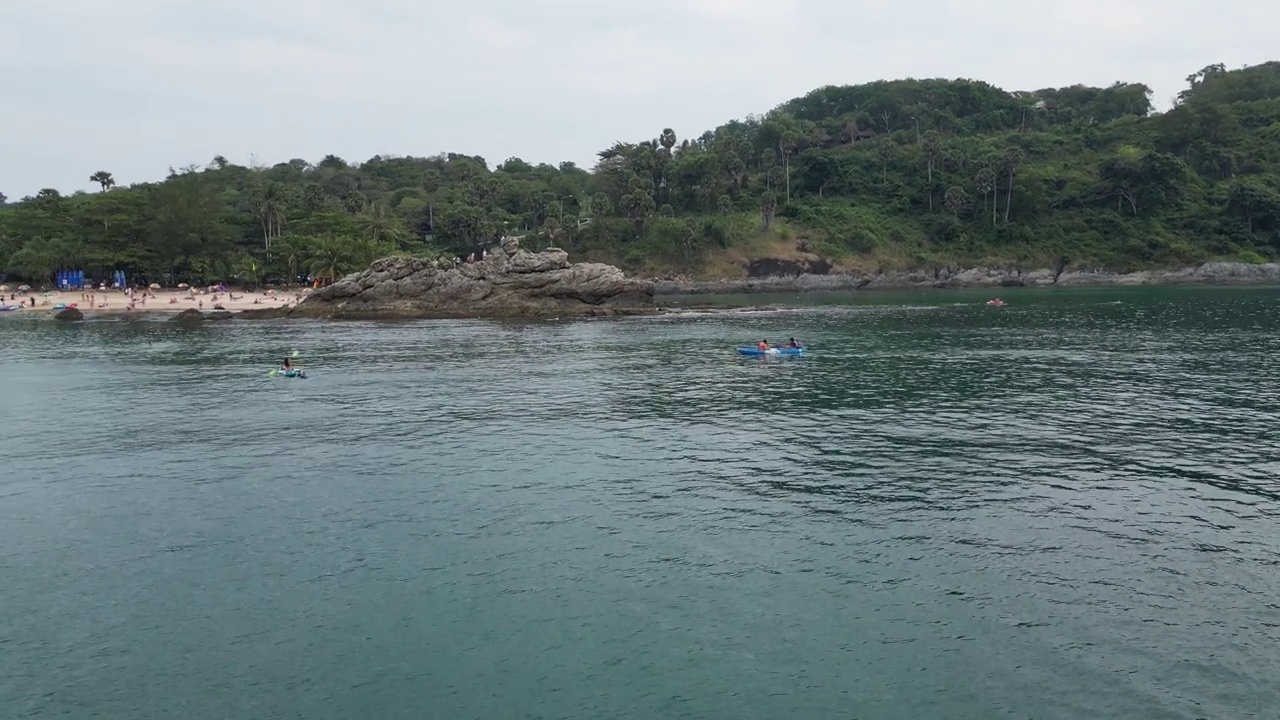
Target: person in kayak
[(794, 344), (287, 366), (764, 345)]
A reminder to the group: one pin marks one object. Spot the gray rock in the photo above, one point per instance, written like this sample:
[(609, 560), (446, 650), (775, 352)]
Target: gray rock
[(510, 283), (189, 315), (69, 314), (1215, 273), (264, 313)]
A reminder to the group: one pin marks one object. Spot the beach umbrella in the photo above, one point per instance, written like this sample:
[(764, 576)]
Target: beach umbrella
[(155, 286), (3, 288), (183, 286), (24, 288)]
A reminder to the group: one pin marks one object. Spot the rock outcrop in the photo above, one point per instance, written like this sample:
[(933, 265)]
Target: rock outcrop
[(1213, 273), (508, 283), (69, 314)]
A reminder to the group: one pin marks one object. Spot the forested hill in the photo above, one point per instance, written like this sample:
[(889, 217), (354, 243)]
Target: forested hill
[(892, 174)]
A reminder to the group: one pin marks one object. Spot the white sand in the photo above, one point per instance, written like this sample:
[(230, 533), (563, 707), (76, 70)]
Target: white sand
[(165, 301)]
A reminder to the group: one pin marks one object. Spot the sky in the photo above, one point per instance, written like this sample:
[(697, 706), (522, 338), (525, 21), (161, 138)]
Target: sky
[(136, 86)]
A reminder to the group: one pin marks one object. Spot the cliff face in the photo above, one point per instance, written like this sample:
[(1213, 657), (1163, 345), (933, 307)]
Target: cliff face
[(509, 283)]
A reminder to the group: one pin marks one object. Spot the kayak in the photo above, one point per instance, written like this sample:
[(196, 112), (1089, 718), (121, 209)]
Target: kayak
[(7, 308), (770, 351), (292, 373)]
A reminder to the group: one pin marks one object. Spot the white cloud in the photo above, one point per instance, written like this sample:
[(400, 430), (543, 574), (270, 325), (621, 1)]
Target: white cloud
[(143, 84)]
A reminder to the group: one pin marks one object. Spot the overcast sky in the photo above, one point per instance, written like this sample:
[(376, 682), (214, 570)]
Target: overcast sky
[(134, 86)]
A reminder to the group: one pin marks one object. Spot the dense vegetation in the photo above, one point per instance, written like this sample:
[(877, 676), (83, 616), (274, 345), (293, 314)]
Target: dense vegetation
[(901, 173)]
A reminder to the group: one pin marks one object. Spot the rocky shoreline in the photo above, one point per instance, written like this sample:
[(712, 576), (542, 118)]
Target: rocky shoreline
[(517, 283), (1212, 273), (508, 282)]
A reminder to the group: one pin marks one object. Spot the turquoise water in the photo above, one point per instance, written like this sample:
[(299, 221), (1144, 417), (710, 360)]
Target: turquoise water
[(1068, 507)]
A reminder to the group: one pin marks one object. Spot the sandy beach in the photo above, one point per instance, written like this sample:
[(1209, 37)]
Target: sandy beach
[(162, 301)]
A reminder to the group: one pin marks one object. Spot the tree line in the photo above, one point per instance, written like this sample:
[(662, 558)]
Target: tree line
[(906, 173)]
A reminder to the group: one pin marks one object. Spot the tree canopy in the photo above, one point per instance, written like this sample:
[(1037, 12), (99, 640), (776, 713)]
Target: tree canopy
[(895, 173)]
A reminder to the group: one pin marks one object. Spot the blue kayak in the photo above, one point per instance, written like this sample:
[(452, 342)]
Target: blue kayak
[(770, 351), (292, 373)]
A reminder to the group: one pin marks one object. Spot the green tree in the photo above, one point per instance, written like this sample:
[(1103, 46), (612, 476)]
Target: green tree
[(1255, 202), (32, 263)]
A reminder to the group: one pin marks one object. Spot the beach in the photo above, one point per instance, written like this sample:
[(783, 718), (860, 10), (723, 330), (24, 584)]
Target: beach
[(161, 301)]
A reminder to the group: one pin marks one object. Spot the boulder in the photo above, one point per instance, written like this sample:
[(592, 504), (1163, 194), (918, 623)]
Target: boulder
[(189, 315), (264, 313), (69, 314), (509, 283)]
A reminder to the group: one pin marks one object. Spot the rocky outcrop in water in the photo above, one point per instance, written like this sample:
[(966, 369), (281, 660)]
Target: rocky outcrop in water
[(69, 314), (1214, 273), (192, 315), (510, 282)]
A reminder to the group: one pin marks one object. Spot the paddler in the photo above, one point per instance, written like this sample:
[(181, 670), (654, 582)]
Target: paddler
[(287, 366), (764, 345)]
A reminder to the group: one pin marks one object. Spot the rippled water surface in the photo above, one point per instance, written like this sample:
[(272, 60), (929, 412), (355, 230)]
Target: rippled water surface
[(1065, 508)]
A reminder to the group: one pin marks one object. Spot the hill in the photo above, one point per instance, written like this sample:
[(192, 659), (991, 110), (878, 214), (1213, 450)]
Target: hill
[(891, 174)]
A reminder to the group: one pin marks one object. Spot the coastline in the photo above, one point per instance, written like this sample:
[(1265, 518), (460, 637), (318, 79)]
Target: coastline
[(182, 305), (1225, 274)]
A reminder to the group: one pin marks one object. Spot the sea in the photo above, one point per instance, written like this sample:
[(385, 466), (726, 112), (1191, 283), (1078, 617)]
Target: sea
[(1067, 507)]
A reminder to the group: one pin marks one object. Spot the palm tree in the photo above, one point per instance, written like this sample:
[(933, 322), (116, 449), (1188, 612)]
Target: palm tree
[(599, 205), (313, 197), (551, 229), (250, 270), (887, 152), (1012, 164), (955, 199), (268, 204), (103, 178), (378, 225), (291, 250), (667, 139), (932, 145), (768, 208), (331, 258), (736, 169), (354, 201), (639, 207), (984, 183), (788, 145)]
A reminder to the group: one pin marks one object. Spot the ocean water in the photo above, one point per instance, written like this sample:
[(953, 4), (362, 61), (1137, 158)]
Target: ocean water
[(1068, 507)]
